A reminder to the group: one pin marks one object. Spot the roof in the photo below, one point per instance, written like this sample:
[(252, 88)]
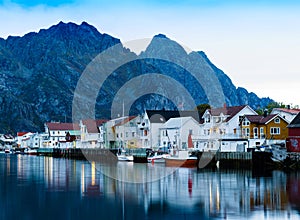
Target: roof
[(57, 126), (124, 121), (177, 122), (286, 110), (295, 123), (19, 134), (161, 116), (229, 111), (260, 119), (91, 125)]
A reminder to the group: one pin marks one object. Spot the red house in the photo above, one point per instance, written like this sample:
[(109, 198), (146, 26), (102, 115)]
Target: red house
[(293, 140)]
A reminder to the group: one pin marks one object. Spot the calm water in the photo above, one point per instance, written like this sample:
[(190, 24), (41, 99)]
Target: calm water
[(48, 188)]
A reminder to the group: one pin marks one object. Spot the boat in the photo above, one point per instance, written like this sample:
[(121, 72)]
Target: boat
[(123, 156), (8, 151), (158, 158), (30, 151), (279, 153), (182, 160)]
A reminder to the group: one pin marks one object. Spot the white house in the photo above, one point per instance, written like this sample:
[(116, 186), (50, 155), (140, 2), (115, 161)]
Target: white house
[(23, 139), (286, 113), (175, 132), (220, 126), (153, 120), (57, 134), (90, 133), (38, 140), (127, 133)]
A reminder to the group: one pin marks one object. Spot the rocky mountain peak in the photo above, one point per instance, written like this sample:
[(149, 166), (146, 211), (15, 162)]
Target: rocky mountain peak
[(39, 73)]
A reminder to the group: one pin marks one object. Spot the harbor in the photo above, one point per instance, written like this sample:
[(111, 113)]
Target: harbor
[(42, 186)]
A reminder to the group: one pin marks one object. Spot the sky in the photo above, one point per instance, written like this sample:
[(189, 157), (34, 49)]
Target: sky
[(256, 43)]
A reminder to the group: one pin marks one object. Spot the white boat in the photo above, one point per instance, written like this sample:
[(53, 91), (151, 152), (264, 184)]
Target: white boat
[(279, 154), (8, 151), (123, 156), (30, 151), (158, 158)]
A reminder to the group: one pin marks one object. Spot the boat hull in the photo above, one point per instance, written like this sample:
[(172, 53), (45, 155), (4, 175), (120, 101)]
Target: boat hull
[(181, 162)]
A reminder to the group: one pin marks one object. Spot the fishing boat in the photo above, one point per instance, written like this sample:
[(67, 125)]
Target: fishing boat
[(30, 151), (279, 153), (158, 158), (123, 156), (8, 151), (182, 160)]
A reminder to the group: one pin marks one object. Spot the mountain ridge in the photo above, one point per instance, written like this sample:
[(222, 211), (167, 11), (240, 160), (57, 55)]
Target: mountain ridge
[(40, 70)]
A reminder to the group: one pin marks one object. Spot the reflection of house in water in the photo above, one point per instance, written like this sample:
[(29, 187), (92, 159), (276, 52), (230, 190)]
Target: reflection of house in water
[(90, 182), (219, 194)]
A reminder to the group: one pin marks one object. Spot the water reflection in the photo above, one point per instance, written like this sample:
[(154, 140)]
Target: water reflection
[(47, 188)]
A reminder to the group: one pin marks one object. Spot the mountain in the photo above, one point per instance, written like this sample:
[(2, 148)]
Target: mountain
[(39, 73)]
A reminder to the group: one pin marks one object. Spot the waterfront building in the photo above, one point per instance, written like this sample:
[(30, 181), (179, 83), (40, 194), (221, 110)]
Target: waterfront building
[(176, 131), (153, 120), (287, 113), (91, 133), (127, 133), (266, 129), (220, 129), (57, 134), (23, 139), (293, 140), (7, 140)]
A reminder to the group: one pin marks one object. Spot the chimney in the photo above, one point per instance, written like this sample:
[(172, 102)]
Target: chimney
[(265, 112), (225, 106)]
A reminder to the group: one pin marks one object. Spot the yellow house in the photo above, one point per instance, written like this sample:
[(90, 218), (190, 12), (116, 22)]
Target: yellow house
[(270, 127)]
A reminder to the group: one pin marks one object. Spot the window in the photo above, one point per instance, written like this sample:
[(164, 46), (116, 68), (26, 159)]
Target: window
[(207, 119), (190, 131), (126, 134), (117, 135), (275, 130), (262, 133), (246, 132), (246, 122), (277, 120), (255, 132), (133, 134)]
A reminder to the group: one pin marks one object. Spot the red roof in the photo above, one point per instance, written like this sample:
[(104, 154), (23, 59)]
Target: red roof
[(230, 111), (291, 111), (57, 126), (19, 134), (91, 125)]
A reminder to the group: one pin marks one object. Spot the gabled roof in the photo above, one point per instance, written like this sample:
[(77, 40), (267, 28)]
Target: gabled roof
[(296, 122), (91, 126), (124, 121), (57, 126), (230, 112), (178, 122), (260, 119), (20, 134), (161, 116), (286, 110)]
